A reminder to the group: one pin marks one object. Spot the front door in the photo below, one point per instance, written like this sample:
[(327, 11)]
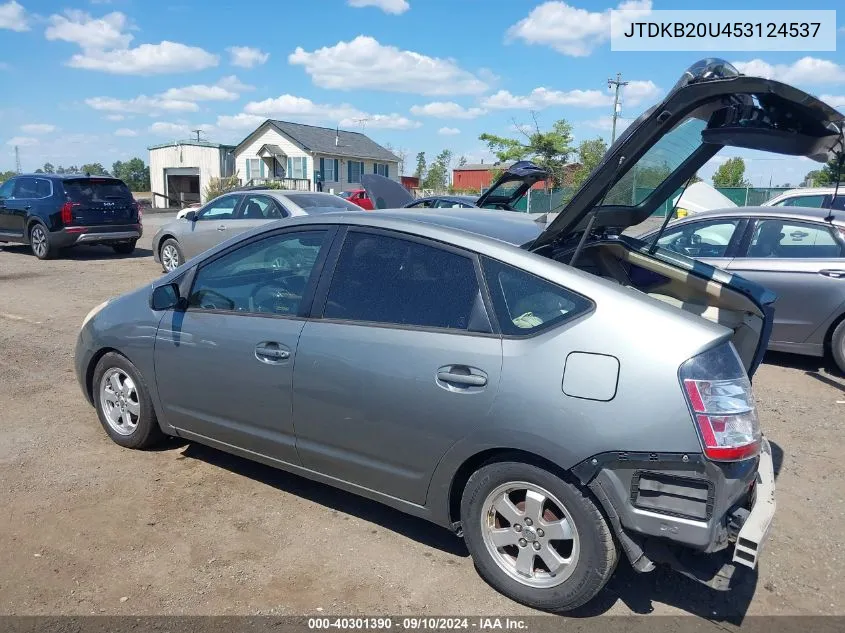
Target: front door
[(804, 264), (400, 366), (224, 366), (212, 226), (712, 241)]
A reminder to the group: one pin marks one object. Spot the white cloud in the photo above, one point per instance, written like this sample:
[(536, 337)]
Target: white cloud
[(200, 92), (834, 101), (540, 98), (364, 63), (13, 17), (807, 70), (448, 131), (605, 123), (125, 131), (146, 59), (38, 128), (246, 56), (23, 141), (395, 7), (637, 92), (141, 105), (570, 30), (447, 110), (240, 121), (171, 130), (299, 108), (90, 33), (115, 117)]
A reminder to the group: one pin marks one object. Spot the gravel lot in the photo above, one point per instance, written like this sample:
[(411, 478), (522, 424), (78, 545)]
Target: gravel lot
[(89, 527)]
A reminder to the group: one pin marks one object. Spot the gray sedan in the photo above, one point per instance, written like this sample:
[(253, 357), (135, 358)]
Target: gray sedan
[(799, 253), (234, 213)]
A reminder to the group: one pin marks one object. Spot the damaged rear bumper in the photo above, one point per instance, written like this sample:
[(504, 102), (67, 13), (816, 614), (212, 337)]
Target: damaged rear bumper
[(702, 518)]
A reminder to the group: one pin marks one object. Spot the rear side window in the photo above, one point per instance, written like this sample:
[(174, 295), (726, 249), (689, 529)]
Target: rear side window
[(322, 203), (84, 190), (801, 201), (526, 304), (384, 279), (793, 240)]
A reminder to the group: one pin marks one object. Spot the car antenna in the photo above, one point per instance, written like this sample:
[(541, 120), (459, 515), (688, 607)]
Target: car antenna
[(668, 218), (829, 217), (588, 229)]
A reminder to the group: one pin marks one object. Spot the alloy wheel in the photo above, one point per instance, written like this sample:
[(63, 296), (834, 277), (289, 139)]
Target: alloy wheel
[(39, 241), (119, 401), (530, 534), (170, 257)]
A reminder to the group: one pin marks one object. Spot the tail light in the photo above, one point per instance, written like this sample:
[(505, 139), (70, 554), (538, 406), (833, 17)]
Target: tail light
[(137, 207), (67, 212), (719, 395)]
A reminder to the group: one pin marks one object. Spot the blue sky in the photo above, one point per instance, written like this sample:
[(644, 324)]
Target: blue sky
[(100, 80)]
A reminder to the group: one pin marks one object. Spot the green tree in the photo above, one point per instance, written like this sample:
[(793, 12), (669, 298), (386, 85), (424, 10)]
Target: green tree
[(134, 173), (462, 161), (95, 169), (550, 150), (824, 176), (437, 174), (419, 172), (731, 173), (5, 175), (48, 168), (590, 154)]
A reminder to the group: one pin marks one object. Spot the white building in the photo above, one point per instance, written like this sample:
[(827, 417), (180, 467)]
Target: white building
[(298, 156), (180, 171), (311, 157)]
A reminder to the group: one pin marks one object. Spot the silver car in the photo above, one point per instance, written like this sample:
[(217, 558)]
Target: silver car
[(798, 253), (233, 213), (557, 393)]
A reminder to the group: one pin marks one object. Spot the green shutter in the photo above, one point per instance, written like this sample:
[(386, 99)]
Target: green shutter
[(261, 167), (375, 168), (248, 177), (337, 170), (322, 169), (289, 170), (387, 170), (305, 167), (349, 171)]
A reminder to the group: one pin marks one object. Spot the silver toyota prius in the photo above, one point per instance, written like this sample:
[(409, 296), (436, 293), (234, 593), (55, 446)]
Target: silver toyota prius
[(557, 393)]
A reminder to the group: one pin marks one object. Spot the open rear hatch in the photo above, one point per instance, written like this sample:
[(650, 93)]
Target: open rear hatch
[(97, 201), (710, 108)]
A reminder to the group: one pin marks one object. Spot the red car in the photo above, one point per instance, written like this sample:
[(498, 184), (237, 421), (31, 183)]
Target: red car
[(359, 197)]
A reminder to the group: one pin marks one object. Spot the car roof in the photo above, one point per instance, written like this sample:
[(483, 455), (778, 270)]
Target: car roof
[(75, 176), (808, 191), (811, 214), (470, 199)]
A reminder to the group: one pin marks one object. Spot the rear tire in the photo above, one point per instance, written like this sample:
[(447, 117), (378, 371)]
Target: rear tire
[(39, 242), (123, 403), (170, 254), (837, 346), (124, 248), (520, 556)]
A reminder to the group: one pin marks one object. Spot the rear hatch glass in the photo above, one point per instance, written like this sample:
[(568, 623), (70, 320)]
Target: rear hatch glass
[(100, 201)]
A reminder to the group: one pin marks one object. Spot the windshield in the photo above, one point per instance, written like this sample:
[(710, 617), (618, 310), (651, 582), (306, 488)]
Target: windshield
[(657, 164), (322, 203)]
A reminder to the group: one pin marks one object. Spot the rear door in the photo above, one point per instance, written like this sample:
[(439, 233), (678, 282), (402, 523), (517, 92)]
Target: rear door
[(212, 225), (99, 201), (804, 264), (402, 364)]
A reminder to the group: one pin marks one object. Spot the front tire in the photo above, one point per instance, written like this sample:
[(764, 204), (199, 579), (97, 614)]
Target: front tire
[(536, 538), (123, 403), (837, 346), (39, 241), (124, 248), (171, 255)]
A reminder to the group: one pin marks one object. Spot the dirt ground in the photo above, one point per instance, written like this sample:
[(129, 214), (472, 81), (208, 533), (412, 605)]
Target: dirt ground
[(88, 527)]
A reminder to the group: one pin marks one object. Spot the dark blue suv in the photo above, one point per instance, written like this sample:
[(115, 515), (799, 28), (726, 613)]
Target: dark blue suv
[(51, 212)]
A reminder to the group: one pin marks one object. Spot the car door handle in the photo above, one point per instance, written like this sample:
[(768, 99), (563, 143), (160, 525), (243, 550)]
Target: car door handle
[(836, 274), (271, 353), (221, 227), (451, 377)]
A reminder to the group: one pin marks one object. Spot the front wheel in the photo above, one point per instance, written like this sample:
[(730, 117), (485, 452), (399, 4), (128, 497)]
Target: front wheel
[(124, 248), (171, 255), (536, 538), (837, 346)]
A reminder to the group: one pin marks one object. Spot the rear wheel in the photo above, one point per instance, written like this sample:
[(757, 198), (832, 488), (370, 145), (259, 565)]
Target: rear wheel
[(39, 241), (171, 255), (124, 248), (837, 346), (536, 538), (123, 403)]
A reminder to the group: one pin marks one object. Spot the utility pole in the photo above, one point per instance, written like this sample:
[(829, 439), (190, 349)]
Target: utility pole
[(197, 132), (618, 83), (17, 160)]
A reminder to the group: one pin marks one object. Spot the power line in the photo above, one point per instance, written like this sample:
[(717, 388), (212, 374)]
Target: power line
[(618, 83)]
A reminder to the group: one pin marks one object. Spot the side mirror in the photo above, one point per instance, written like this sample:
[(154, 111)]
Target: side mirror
[(165, 297), (191, 216)]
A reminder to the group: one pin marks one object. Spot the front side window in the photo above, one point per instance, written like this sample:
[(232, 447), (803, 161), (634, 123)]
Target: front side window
[(268, 276), (422, 204), (223, 208), (384, 279), (7, 189), (801, 201), (526, 304), (793, 240), (700, 239)]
